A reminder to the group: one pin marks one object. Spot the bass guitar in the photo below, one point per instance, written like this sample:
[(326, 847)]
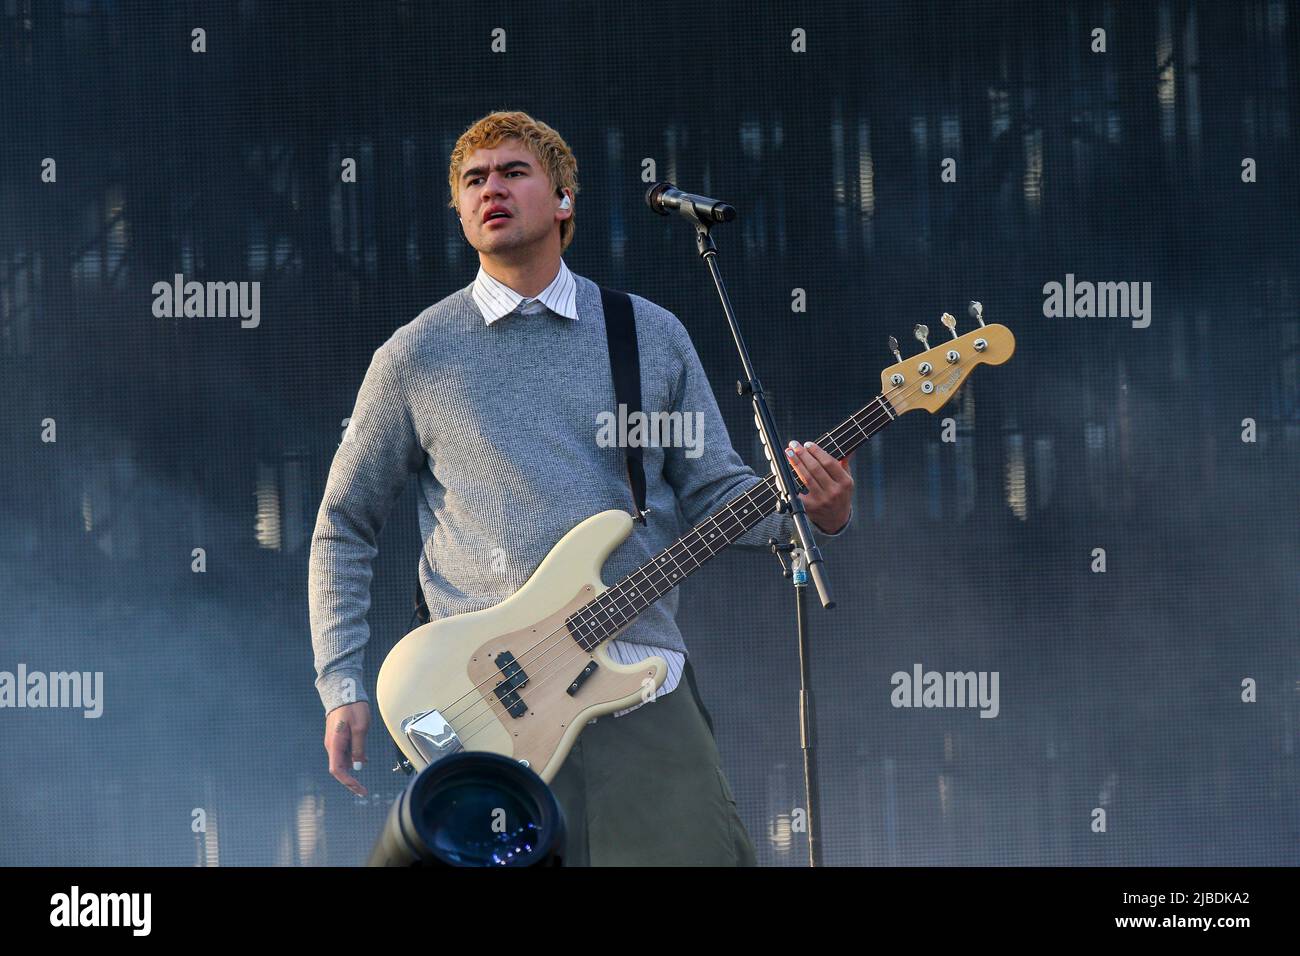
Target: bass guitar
[(524, 677)]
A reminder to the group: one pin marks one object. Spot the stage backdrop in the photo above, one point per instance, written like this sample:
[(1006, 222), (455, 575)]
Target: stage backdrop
[(1106, 525)]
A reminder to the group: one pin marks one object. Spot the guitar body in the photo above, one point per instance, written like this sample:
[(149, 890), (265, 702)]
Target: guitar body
[(453, 667)]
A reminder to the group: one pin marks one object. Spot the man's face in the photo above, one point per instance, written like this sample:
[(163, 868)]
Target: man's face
[(507, 178)]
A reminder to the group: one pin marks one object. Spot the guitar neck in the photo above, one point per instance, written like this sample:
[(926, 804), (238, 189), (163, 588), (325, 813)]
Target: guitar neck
[(618, 606)]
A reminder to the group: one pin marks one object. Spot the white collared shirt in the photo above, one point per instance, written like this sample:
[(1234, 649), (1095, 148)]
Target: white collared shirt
[(496, 300)]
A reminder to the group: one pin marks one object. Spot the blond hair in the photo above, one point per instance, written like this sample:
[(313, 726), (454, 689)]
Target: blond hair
[(547, 146)]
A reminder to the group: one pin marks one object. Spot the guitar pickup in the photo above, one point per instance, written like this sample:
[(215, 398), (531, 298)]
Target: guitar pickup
[(582, 678), (507, 691)]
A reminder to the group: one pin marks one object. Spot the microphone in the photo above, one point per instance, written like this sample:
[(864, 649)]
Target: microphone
[(663, 198)]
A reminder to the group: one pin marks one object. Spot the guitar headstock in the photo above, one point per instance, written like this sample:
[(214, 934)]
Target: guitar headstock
[(930, 379)]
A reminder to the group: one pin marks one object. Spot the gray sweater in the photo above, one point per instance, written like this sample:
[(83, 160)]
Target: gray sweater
[(500, 423)]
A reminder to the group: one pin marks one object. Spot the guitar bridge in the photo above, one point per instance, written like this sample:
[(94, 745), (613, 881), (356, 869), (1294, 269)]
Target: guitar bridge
[(431, 735)]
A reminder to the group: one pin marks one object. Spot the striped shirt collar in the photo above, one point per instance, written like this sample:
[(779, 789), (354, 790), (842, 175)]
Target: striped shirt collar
[(496, 299)]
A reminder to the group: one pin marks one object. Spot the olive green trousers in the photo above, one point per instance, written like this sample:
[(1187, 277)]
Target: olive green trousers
[(647, 789)]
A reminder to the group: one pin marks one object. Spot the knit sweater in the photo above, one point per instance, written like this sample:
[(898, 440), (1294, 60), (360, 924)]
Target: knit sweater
[(500, 424)]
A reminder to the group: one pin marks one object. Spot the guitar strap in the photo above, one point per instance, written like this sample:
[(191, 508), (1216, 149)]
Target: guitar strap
[(625, 366)]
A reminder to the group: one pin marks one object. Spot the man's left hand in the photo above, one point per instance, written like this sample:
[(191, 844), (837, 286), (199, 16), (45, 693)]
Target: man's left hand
[(829, 500)]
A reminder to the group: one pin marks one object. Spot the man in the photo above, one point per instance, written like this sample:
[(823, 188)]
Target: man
[(492, 397)]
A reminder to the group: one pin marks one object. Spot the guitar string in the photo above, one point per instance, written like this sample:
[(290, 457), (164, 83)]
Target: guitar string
[(765, 488), (578, 652)]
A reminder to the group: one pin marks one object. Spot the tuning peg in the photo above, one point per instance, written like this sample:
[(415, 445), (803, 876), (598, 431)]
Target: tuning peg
[(922, 334), (976, 311), (893, 347), (950, 323)]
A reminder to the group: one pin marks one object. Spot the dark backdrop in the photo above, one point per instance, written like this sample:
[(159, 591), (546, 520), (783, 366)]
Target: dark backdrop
[(1120, 690)]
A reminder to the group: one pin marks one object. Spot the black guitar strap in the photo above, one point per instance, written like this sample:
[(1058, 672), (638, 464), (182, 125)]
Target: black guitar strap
[(625, 366)]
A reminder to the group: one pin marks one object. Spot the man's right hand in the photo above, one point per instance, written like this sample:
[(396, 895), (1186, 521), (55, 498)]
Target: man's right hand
[(345, 742)]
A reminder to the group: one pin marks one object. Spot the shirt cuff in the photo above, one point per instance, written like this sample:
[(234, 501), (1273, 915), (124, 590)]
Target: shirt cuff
[(339, 687)]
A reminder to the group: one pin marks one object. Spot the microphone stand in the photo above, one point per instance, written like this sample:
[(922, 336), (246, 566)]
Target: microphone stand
[(806, 554)]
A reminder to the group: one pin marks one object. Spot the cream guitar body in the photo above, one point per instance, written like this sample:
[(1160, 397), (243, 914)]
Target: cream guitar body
[(448, 685)]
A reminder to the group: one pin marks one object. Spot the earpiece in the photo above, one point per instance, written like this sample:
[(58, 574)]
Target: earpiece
[(565, 204)]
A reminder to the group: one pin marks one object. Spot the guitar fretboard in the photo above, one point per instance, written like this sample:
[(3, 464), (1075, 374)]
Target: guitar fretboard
[(618, 606)]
